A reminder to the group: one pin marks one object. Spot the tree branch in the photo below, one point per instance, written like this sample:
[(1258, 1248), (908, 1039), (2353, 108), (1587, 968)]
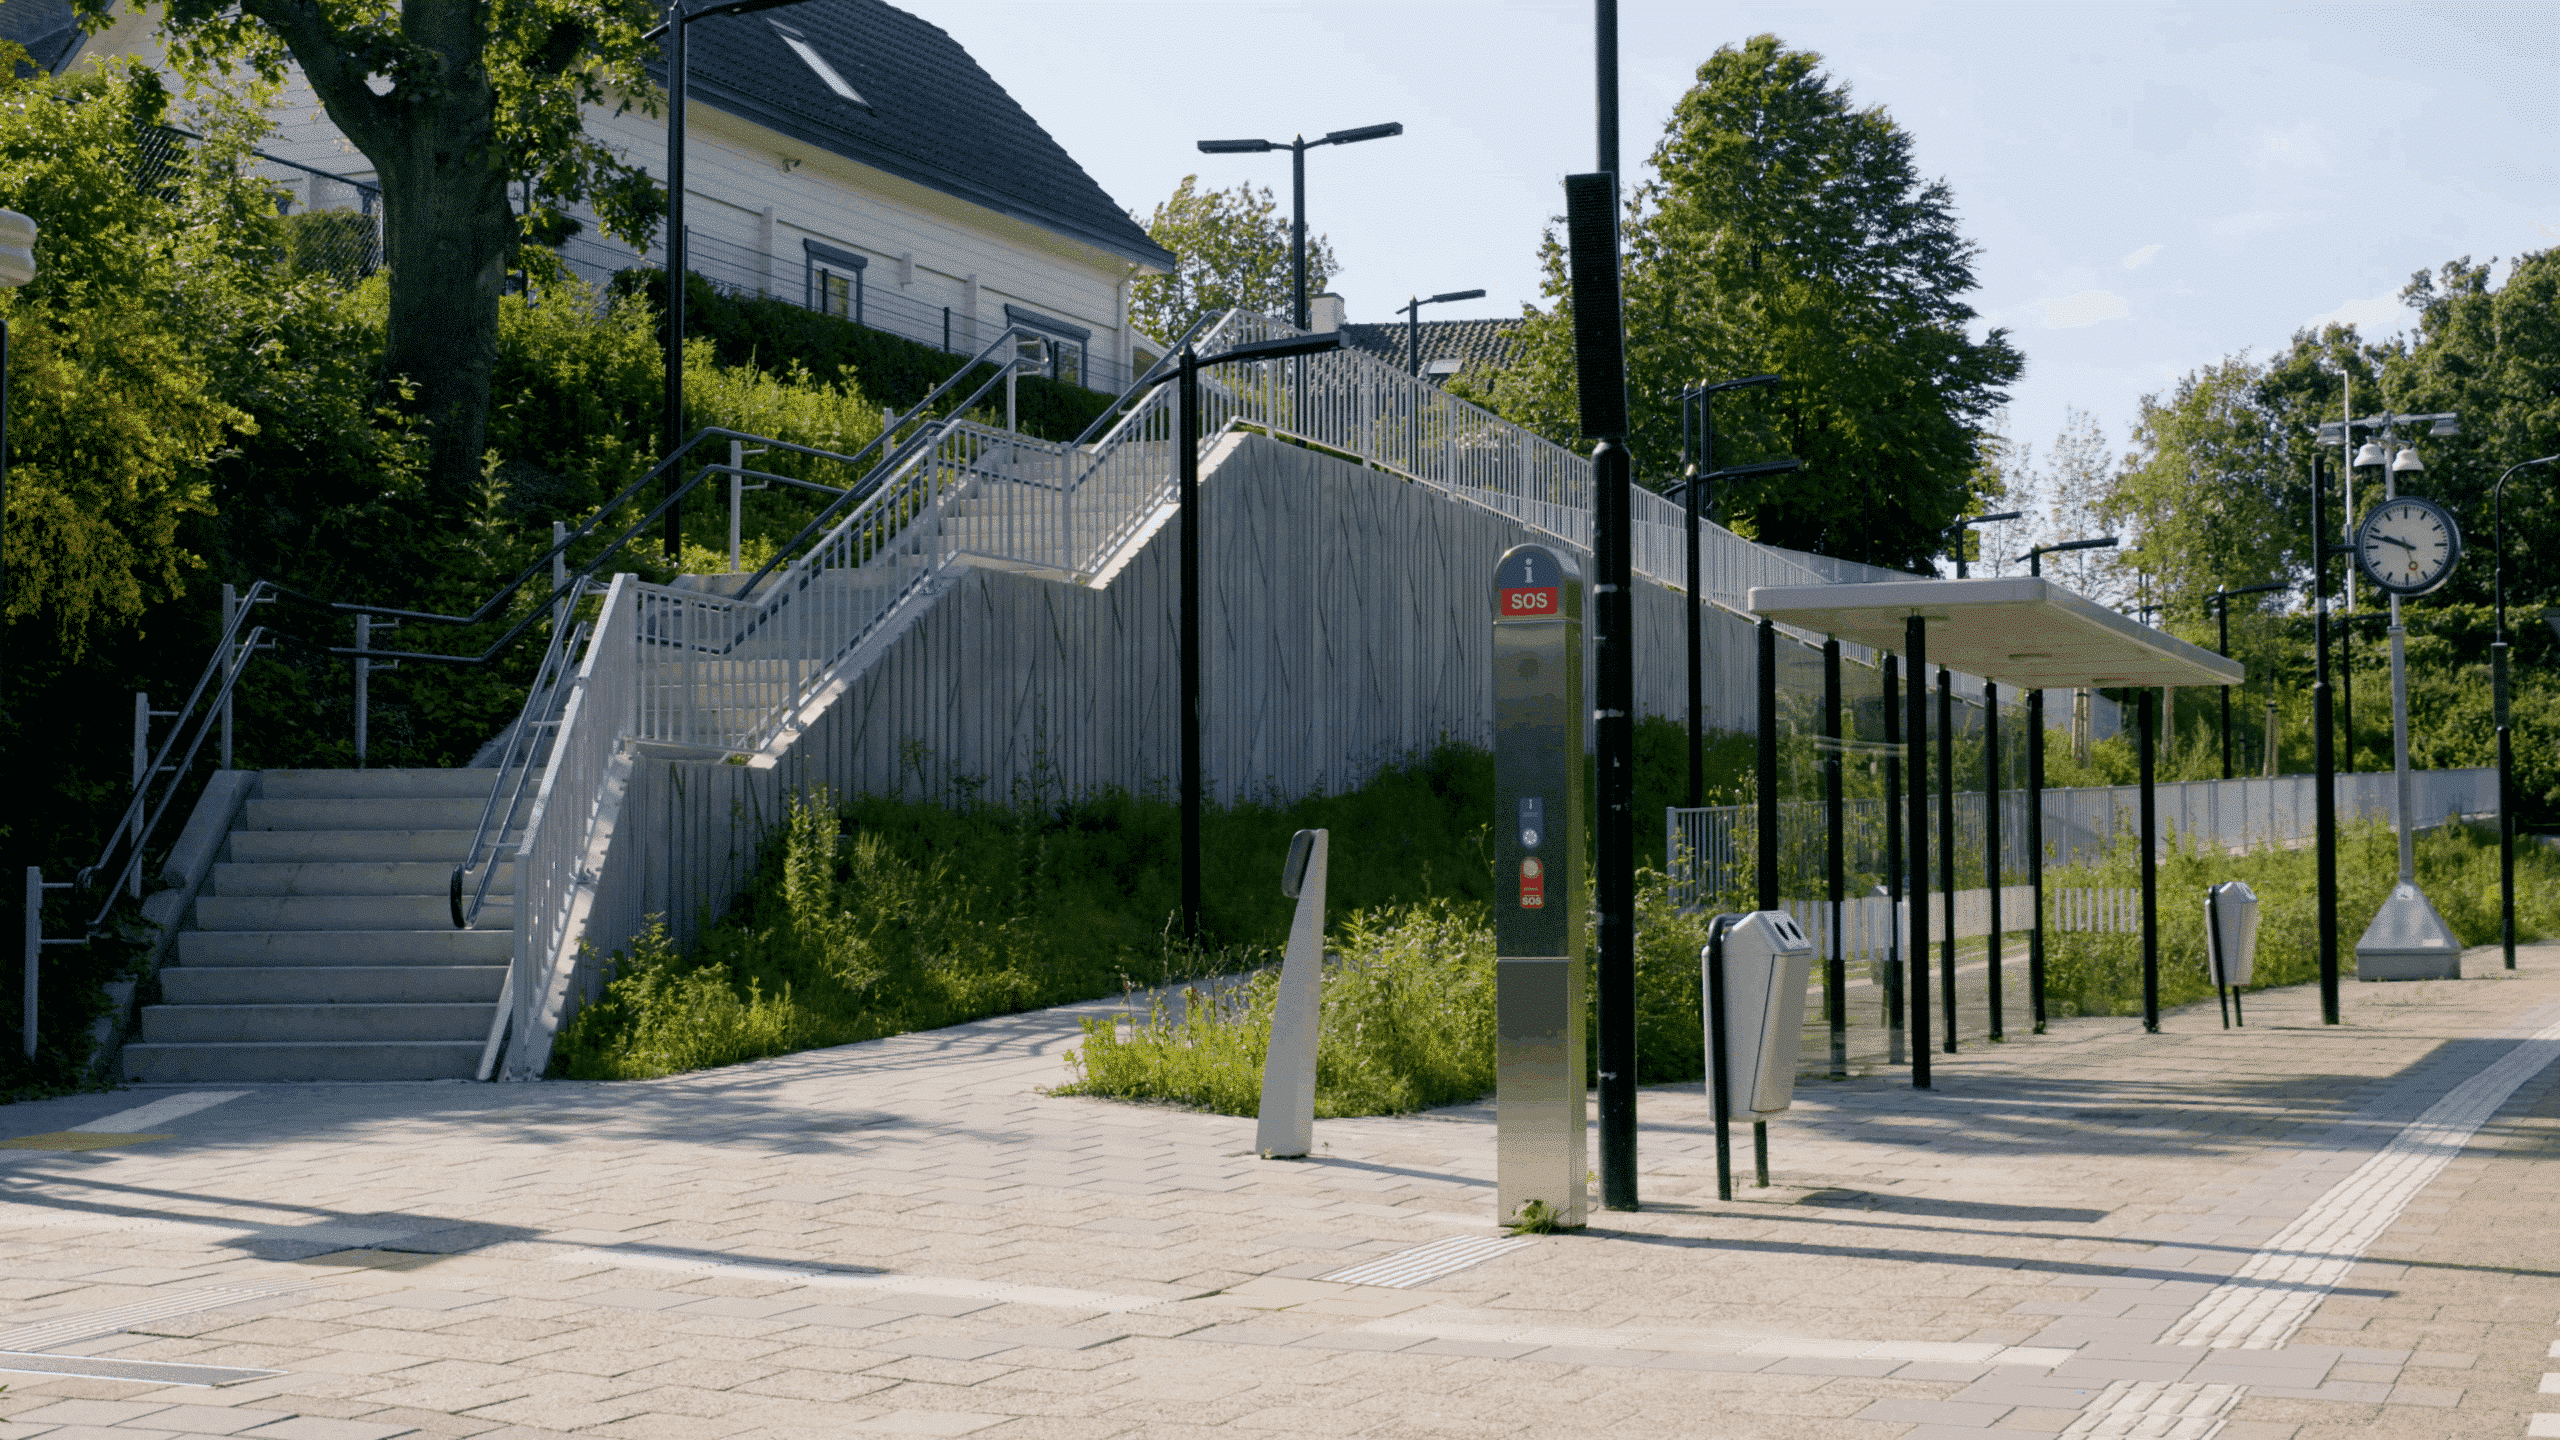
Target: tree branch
[(331, 62)]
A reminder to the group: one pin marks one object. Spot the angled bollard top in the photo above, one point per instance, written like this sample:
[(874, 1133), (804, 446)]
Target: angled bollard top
[(1286, 1127)]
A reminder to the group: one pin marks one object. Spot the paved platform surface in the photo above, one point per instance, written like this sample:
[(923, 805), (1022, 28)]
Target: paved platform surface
[(2282, 1233)]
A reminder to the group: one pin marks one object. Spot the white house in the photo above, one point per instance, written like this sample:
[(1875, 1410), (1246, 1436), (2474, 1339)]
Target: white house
[(842, 154)]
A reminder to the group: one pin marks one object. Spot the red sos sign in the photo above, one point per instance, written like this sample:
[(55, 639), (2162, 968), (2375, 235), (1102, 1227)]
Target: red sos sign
[(1530, 602)]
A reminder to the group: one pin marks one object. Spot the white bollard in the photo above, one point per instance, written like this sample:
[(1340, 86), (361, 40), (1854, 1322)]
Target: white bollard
[(1288, 1123)]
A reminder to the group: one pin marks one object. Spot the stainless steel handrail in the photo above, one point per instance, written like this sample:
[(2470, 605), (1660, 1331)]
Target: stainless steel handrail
[(520, 754)]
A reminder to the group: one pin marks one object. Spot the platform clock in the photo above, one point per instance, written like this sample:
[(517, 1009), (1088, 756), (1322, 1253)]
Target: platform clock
[(2408, 545)]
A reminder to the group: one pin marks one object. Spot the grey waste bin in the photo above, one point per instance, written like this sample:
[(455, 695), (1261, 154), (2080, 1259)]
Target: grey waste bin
[(2230, 944), (1768, 962), (2231, 933)]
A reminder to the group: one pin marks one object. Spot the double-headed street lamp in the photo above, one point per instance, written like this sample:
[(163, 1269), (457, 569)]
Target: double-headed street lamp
[(1957, 530), (2221, 600), (1187, 500), (1699, 477), (1413, 322), (2035, 558), (1298, 148), (2498, 693), (679, 14)]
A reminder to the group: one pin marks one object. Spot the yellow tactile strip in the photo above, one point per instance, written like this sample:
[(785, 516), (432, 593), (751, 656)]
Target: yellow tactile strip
[(76, 1140)]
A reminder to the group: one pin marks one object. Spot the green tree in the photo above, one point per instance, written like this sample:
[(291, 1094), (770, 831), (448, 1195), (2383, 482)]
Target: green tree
[(1786, 231), (454, 102), (2491, 353), (1231, 250), (115, 410)]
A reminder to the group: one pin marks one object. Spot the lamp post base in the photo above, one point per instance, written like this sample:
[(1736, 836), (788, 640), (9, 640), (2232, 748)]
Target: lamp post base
[(2408, 940)]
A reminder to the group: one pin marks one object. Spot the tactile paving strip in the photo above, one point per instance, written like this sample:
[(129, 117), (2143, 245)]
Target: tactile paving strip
[(1424, 1263)]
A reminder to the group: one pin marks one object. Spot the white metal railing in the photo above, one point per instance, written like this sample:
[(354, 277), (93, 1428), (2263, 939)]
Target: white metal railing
[(1714, 843), (559, 865)]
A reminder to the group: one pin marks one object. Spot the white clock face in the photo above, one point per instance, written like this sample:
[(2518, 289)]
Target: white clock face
[(2408, 546)]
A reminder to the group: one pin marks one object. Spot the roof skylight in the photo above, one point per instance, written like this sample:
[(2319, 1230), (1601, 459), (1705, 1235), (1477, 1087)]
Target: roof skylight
[(817, 64)]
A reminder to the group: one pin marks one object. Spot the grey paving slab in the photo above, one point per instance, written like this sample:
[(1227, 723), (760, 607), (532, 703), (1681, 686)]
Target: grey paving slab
[(704, 1256)]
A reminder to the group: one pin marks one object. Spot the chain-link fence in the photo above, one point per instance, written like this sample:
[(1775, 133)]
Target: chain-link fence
[(332, 222)]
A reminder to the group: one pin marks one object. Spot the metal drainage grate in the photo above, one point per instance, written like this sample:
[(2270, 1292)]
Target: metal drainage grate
[(1424, 1263), (100, 1367)]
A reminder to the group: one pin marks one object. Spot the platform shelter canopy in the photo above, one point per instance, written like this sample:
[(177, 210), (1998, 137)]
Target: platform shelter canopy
[(2020, 630)]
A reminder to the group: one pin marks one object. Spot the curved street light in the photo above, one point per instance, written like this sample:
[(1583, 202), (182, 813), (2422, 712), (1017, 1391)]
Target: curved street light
[(1298, 148), (1957, 530), (2498, 692), (1413, 323)]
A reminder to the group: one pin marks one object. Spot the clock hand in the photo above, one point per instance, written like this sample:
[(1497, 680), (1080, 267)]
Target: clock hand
[(2396, 540)]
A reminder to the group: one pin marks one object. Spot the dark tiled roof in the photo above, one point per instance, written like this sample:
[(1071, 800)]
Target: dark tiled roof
[(936, 118), (45, 28), (1477, 345)]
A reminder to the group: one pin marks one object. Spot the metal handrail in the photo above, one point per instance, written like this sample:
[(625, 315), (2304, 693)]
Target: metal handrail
[(197, 720), (541, 711), (1146, 383), (541, 564)]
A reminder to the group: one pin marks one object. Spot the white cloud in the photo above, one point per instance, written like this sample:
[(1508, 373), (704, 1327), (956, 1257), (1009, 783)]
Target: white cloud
[(2142, 257), (2372, 318), (2089, 307)]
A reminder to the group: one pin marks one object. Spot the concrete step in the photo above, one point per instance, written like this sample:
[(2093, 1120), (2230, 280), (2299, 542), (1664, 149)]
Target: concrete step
[(440, 945), (455, 784), (342, 912), (304, 1024), (376, 877), (280, 847), (397, 813), (332, 984), (179, 1064)]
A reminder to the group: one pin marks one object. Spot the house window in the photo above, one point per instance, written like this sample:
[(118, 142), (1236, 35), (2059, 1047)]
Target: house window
[(834, 280), (1066, 342)]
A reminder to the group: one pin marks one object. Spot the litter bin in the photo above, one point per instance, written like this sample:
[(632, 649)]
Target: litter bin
[(1768, 962), (2230, 942)]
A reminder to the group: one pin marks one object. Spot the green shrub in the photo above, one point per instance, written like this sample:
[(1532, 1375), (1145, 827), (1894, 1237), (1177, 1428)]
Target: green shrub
[(2101, 974)]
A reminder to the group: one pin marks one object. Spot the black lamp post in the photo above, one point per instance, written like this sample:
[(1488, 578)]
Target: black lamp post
[(1698, 474), (2035, 796), (2221, 600), (679, 14), (1187, 498), (1957, 530), (1298, 148), (1413, 323), (2498, 691)]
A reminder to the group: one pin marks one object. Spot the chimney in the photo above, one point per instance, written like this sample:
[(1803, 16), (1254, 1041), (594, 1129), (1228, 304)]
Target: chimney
[(1324, 313)]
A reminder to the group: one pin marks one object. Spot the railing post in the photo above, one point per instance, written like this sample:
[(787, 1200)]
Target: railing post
[(35, 950), (364, 642), (230, 664)]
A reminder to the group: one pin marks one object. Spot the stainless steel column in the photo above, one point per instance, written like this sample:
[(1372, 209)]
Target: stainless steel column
[(1539, 714)]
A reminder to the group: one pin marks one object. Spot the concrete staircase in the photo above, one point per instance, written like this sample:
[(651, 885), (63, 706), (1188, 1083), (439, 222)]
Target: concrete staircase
[(323, 947)]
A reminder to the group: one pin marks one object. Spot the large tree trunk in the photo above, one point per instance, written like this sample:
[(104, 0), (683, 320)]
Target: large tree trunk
[(447, 233), (432, 138)]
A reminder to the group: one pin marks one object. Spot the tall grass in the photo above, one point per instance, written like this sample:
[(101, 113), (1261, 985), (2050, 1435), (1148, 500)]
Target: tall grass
[(1406, 1021), (2093, 974)]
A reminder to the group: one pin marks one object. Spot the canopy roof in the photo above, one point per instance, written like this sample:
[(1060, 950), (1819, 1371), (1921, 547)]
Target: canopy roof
[(2019, 630)]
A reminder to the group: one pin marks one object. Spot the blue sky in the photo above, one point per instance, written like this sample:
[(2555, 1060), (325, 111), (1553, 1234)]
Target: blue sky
[(2153, 185)]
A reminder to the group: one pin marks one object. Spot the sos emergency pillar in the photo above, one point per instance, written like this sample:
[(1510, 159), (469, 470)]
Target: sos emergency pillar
[(1540, 987)]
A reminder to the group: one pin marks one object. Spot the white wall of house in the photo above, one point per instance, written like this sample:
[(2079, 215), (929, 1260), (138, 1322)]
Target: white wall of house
[(752, 197)]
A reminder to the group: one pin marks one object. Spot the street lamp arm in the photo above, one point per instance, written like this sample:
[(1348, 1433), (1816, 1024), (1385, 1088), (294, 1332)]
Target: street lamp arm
[(1984, 520), (2498, 526), (1236, 147), (1364, 132), (728, 7)]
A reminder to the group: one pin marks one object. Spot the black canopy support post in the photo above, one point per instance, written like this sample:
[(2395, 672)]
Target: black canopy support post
[(1947, 853), (1915, 645), (1719, 1074), (2324, 752), (2035, 856), (1600, 362), (1188, 502), (2506, 803), (1765, 776), (1760, 1153), (1835, 864), (2144, 744), (1991, 839), (2222, 613), (1893, 872)]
